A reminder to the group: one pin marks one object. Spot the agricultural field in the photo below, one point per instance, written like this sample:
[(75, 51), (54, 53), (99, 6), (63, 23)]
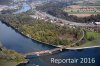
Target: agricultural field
[(82, 11)]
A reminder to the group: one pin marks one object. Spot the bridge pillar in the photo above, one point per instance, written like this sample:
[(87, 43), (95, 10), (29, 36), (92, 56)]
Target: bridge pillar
[(38, 55), (60, 49), (50, 52)]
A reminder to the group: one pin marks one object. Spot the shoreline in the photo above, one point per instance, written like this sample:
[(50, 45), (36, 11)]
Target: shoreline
[(17, 62), (83, 48), (6, 23), (59, 46)]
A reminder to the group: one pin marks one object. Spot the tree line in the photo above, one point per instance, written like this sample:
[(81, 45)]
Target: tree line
[(41, 30), (57, 10)]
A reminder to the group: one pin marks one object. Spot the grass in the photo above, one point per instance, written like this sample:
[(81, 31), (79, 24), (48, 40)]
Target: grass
[(93, 34), (95, 42)]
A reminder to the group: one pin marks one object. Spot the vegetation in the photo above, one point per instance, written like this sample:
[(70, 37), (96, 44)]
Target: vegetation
[(43, 31), (50, 33), (57, 11), (10, 57), (92, 35), (29, 12), (95, 42), (93, 39), (8, 11)]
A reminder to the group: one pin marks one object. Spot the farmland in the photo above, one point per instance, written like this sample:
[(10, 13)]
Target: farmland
[(82, 11)]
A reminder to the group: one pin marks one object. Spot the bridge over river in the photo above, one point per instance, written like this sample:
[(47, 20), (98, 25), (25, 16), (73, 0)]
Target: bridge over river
[(44, 52), (39, 53)]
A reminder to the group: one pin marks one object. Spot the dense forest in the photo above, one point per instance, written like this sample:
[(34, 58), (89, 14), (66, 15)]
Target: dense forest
[(56, 9), (43, 31)]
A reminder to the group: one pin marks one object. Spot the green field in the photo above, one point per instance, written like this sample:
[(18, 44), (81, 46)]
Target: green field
[(93, 34), (95, 42)]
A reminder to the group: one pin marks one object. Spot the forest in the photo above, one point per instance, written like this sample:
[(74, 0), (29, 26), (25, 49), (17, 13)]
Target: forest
[(43, 31)]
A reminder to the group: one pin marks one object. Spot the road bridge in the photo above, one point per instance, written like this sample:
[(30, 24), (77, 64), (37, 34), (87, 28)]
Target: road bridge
[(39, 53)]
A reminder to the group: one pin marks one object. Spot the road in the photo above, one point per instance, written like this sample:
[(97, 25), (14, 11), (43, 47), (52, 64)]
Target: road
[(43, 15), (66, 22)]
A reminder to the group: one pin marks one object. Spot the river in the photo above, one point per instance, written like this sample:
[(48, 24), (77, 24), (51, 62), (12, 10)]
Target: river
[(13, 40), (24, 7), (66, 54)]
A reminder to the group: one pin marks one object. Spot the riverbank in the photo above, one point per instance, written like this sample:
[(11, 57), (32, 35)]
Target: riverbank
[(77, 48), (60, 46), (26, 35), (37, 47), (10, 57)]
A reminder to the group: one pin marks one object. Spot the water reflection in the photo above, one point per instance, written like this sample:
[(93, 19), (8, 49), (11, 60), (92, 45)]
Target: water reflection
[(11, 39), (86, 53)]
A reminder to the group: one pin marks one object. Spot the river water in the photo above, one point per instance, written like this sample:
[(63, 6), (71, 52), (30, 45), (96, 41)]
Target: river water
[(66, 54), (13, 40), (25, 7)]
